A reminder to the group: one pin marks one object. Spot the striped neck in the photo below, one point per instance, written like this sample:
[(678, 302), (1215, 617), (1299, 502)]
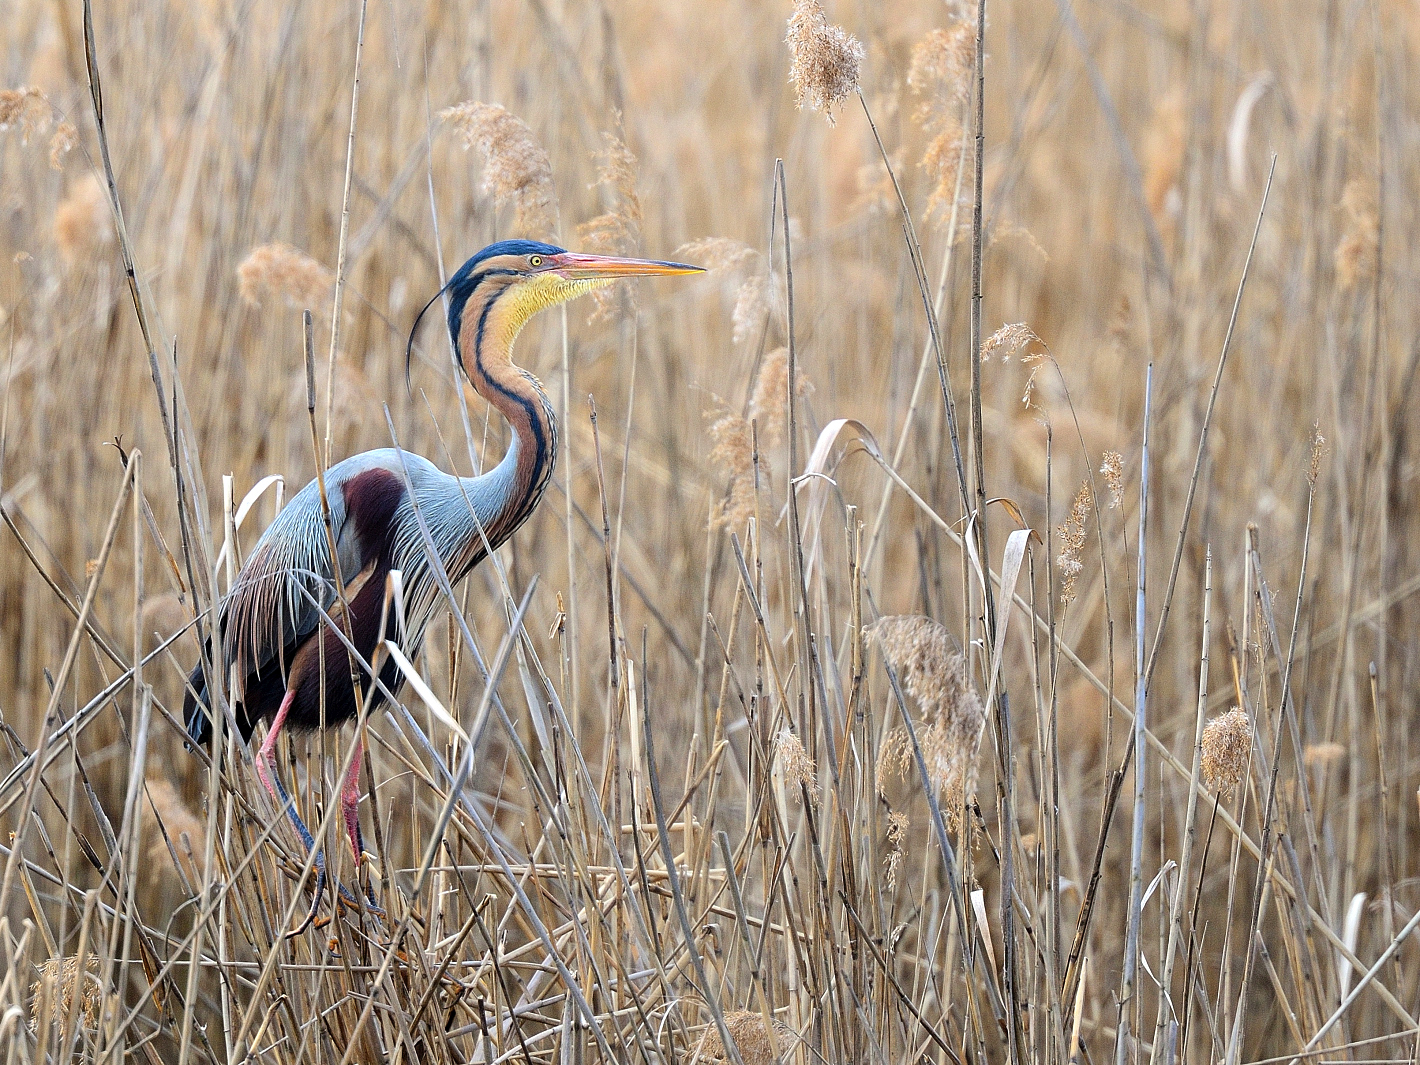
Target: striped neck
[(490, 325)]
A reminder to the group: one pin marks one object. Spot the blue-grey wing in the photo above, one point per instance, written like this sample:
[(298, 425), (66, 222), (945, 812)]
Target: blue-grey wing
[(287, 580)]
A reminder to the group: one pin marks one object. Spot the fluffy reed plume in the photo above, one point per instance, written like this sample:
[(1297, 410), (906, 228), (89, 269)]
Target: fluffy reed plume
[(27, 108), (795, 762), (1008, 340), (64, 140), (933, 672), (1072, 543), (1356, 251), (1227, 743), (516, 169), (278, 270), (1112, 469), (53, 991), (826, 59), (83, 222), (733, 452), (618, 230), (185, 829), (940, 77), (896, 832), (769, 406), (751, 1038)]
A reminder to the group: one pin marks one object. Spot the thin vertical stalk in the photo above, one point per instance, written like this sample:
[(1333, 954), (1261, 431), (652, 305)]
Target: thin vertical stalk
[(344, 235), (1190, 820), (1141, 688)]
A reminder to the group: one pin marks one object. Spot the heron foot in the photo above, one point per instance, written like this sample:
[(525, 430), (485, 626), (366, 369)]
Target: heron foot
[(346, 897)]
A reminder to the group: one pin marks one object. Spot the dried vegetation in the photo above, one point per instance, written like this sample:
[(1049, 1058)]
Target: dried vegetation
[(802, 878)]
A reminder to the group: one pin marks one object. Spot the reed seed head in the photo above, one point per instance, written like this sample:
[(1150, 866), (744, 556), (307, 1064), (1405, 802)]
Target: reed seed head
[(897, 825), (1112, 469), (516, 169), (1163, 156), (1322, 755), (279, 271), (933, 672), (1072, 543), (618, 230), (1356, 251), (751, 308), (1317, 454), (940, 78), (751, 1038), (58, 977), (769, 405), (1227, 745), (719, 253), (27, 108), (177, 821), (61, 143), (797, 765), (1008, 340), (826, 59), (732, 450), (940, 75)]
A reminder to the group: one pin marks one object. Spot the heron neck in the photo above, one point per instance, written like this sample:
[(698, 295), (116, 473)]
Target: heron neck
[(514, 487)]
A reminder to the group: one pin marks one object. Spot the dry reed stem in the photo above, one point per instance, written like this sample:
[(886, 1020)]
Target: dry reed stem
[(772, 938)]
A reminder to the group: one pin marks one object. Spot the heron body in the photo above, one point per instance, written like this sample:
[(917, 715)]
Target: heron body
[(271, 616), (291, 666)]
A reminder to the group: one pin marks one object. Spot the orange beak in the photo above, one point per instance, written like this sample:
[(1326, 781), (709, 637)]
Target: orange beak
[(578, 267)]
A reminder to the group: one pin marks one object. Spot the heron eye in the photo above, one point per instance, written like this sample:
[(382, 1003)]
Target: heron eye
[(535, 260)]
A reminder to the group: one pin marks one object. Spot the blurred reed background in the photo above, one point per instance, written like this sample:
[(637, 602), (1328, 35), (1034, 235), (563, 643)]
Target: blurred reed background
[(780, 878)]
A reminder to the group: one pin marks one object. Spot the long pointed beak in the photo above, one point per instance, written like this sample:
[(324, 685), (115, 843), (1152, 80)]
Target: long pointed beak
[(577, 267)]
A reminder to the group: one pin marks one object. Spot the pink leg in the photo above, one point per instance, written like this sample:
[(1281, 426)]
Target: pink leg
[(266, 757), (350, 801)]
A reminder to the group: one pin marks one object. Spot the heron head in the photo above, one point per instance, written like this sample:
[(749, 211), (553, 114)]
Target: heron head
[(499, 289)]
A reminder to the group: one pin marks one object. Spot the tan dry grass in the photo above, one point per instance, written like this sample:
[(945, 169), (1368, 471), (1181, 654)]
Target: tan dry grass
[(228, 132)]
